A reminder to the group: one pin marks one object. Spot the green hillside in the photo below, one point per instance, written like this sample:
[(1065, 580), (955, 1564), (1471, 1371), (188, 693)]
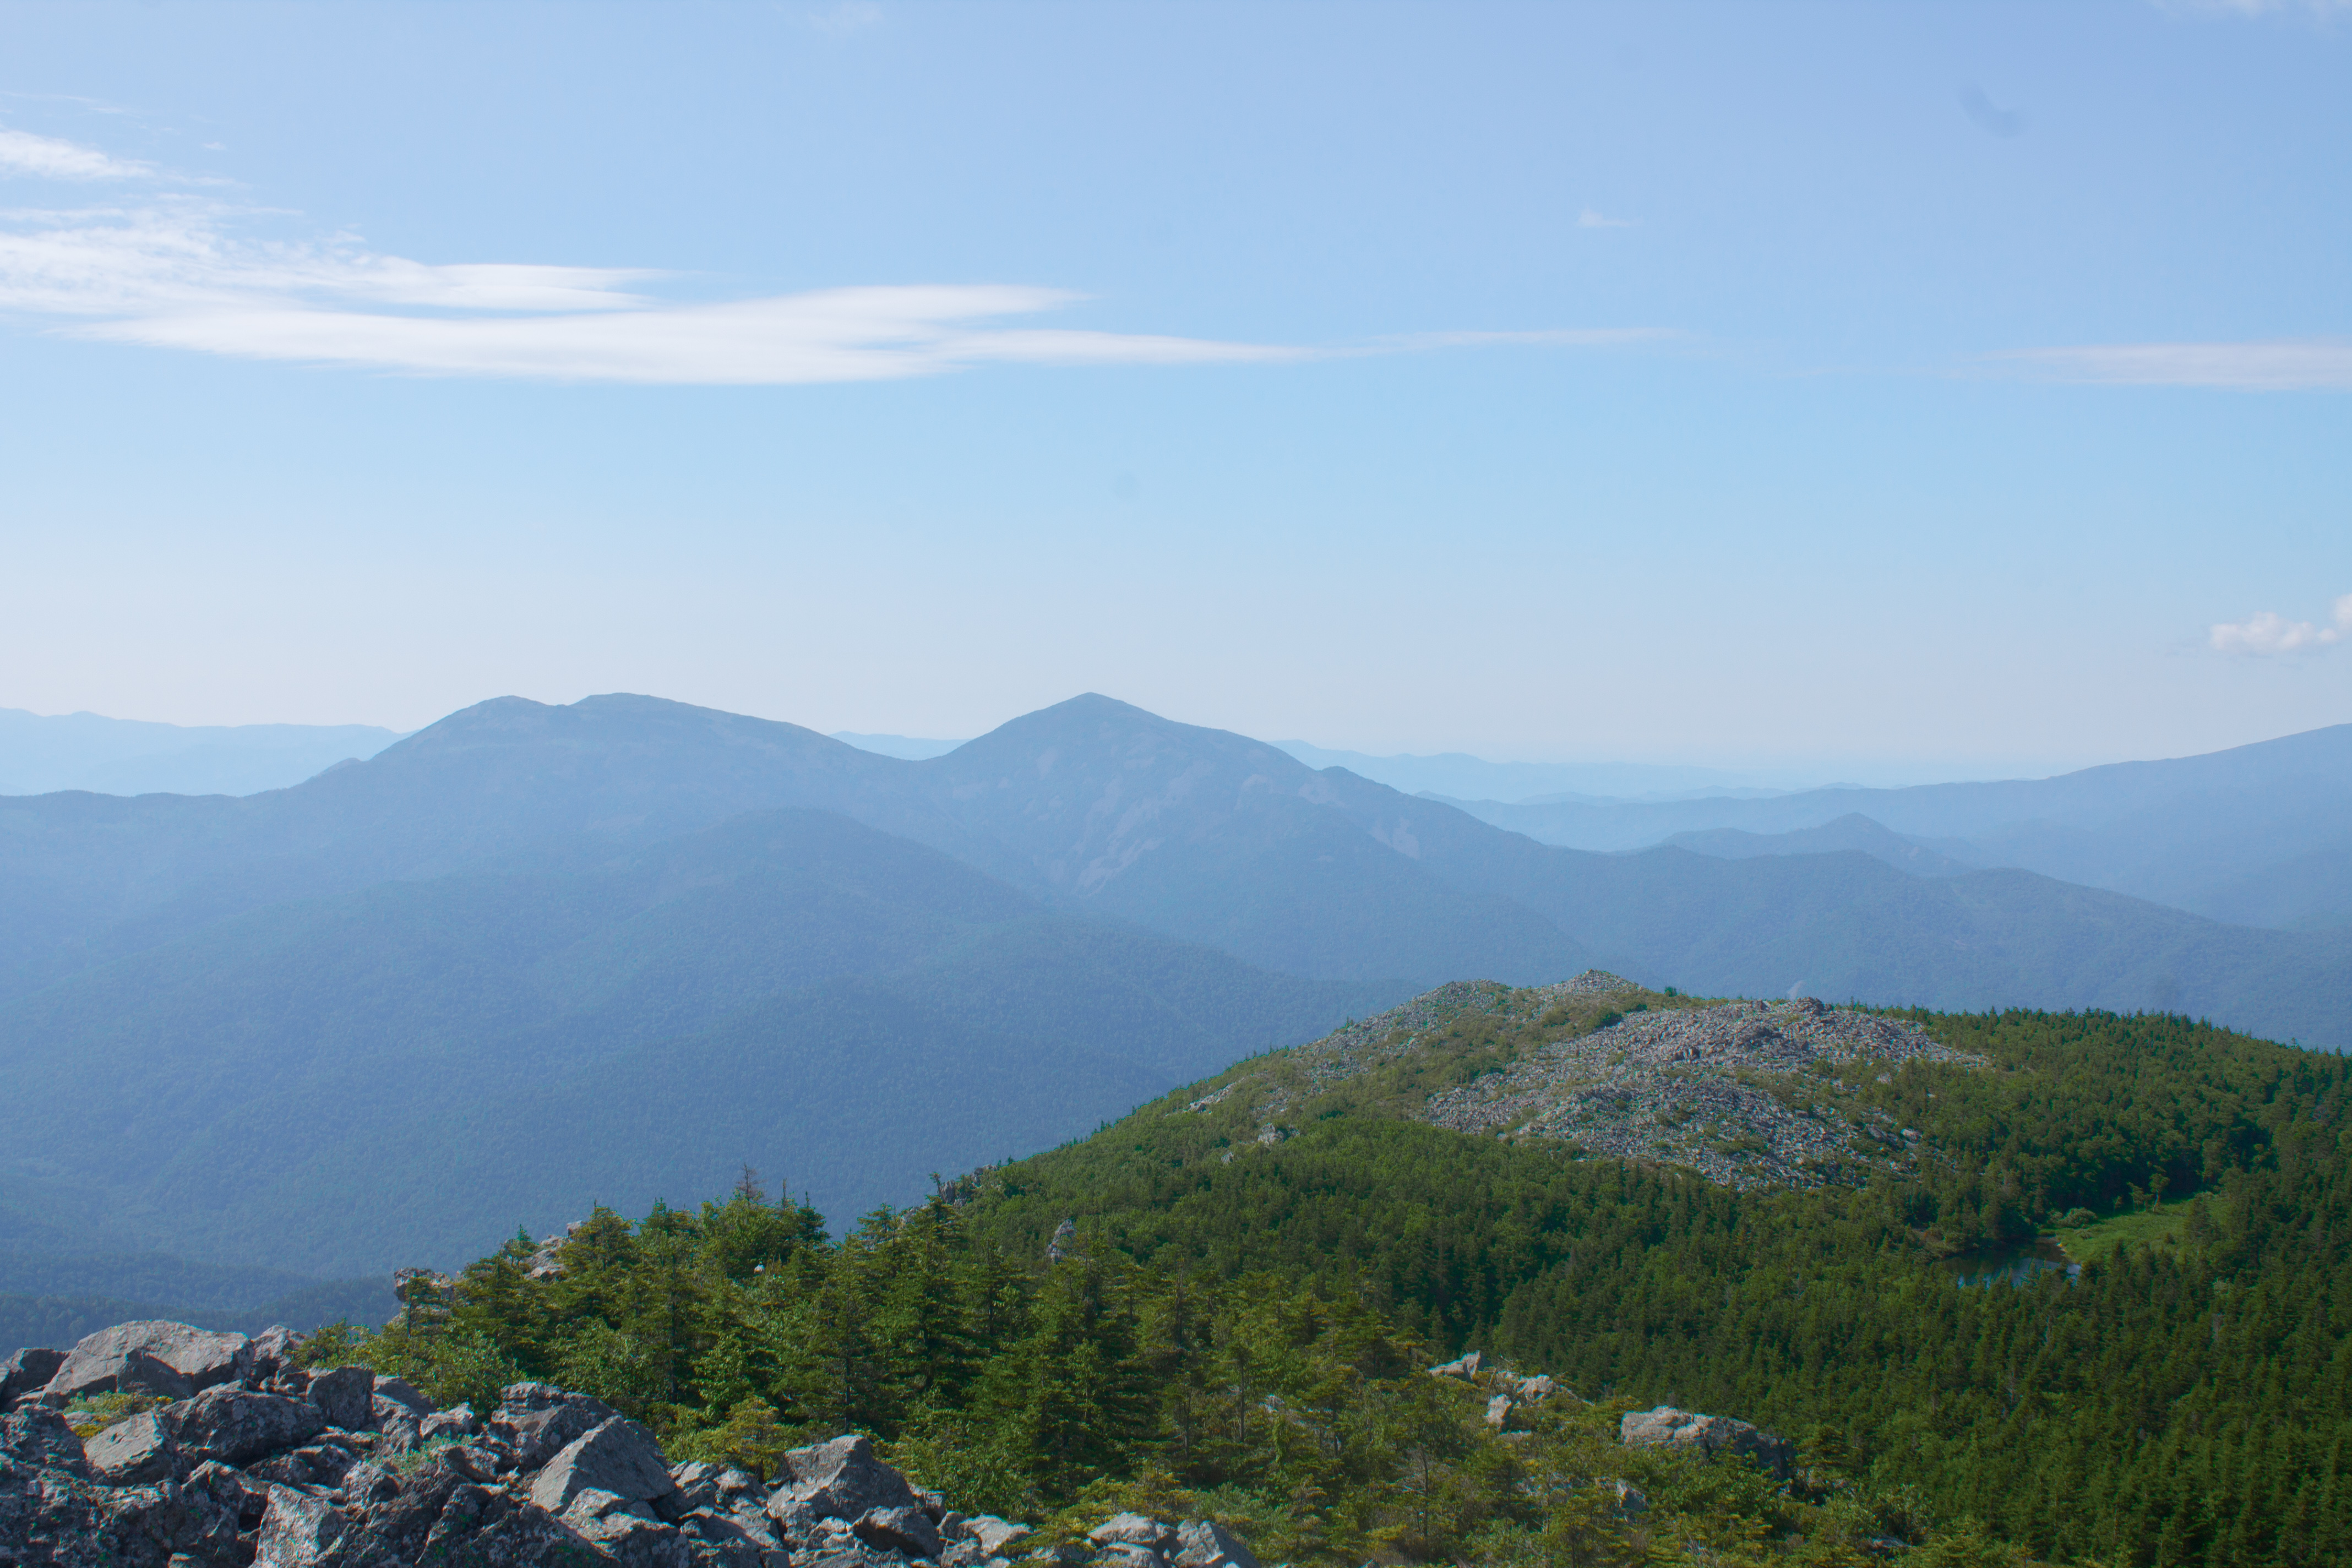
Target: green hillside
[(1252, 1271)]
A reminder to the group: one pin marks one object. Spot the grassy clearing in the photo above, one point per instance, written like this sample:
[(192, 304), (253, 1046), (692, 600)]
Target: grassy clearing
[(2158, 1226)]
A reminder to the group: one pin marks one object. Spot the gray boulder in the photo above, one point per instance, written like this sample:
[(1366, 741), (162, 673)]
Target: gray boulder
[(992, 1534), (626, 1531), (736, 1539), (236, 1426), (1133, 1529), (345, 1396), (443, 1513), (316, 1466), (271, 1354), (541, 1419), (617, 1457), (1498, 1411), (395, 1424), (399, 1391), (1690, 1432), (172, 1523), (175, 1359), (907, 1530), (133, 1452), (36, 1437), (792, 1519), (1467, 1368), (843, 1479), (1205, 1544), (296, 1528), (460, 1421), (28, 1371)]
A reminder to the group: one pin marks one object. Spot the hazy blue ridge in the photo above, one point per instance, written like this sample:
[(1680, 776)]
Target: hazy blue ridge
[(535, 957), (40, 754)]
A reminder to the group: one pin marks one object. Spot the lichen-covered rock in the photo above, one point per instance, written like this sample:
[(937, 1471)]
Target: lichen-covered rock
[(1667, 1427), (345, 1396), (843, 1479), (175, 1359), (541, 1420)]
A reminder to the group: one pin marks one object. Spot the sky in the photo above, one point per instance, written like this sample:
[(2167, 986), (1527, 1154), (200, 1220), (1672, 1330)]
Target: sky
[(1892, 391)]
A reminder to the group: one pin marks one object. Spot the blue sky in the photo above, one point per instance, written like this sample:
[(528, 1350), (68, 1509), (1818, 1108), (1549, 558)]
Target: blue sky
[(1888, 390)]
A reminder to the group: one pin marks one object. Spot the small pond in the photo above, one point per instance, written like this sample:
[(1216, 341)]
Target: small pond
[(2012, 1264)]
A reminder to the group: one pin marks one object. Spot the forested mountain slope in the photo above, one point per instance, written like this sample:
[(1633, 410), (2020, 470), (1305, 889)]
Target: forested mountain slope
[(1231, 1297), (405, 1072)]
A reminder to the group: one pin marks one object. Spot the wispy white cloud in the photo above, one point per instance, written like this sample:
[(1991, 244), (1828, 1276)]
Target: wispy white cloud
[(2280, 364), (2268, 634), (1588, 218), (181, 271), (47, 158)]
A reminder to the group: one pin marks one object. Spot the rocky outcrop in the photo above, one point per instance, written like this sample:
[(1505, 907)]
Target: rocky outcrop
[(281, 1467), (843, 1479), (541, 1420), (172, 1360), (1667, 1427)]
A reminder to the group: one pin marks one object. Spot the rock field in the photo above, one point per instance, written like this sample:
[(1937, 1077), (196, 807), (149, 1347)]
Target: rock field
[(1747, 1094), (252, 1460), (255, 1462), (1725, 1090)]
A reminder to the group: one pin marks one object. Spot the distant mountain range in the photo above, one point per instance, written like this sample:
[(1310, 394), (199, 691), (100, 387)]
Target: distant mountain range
[(532, 956), (2259, 835), (39, 754)]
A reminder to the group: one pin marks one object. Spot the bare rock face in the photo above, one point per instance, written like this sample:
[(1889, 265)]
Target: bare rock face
[(541, 1420), (1667, 1427), (843, 1479), (173, 1360)]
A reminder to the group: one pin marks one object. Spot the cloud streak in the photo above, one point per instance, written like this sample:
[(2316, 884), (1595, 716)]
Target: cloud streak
[(185, 271), (2268, 634), (2278, 365), (46, 158)]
